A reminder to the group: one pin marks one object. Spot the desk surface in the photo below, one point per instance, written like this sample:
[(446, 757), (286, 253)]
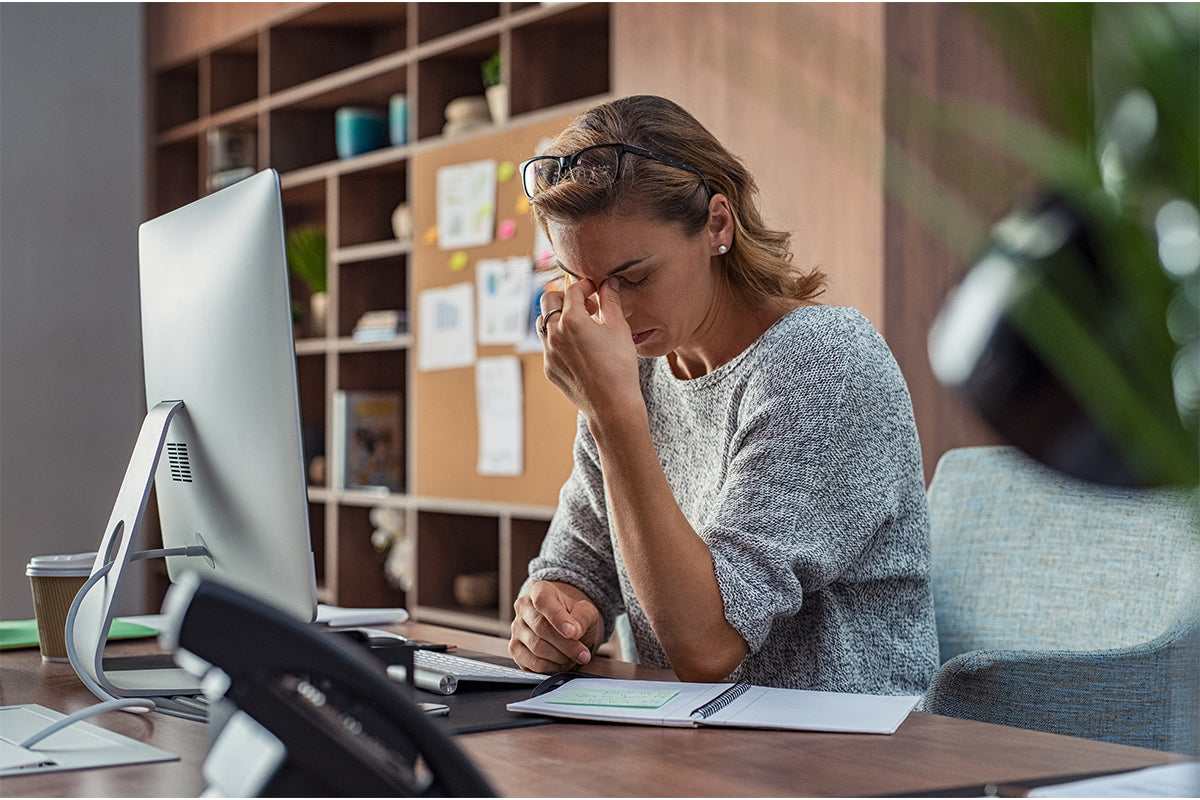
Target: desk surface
[(927, 754)]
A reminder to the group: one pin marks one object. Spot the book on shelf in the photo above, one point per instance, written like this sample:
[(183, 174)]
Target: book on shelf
[(380, 326), (368, 440), (736, 705)]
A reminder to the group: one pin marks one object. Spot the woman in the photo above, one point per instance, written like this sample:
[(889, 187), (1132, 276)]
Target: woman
[(747, 482)]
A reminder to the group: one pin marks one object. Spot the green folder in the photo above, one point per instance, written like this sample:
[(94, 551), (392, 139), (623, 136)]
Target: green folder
[(24, 633)]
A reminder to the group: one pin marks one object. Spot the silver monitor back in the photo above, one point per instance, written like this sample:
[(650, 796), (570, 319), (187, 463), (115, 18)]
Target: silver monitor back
[(221, 441), (217, 334)]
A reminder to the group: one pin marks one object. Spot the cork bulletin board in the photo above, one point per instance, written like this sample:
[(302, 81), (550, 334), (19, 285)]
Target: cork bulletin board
[(446, 430)]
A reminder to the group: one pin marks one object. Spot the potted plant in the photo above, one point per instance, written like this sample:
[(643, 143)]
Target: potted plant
[(306, 256), (1100, 273), (494, 87)]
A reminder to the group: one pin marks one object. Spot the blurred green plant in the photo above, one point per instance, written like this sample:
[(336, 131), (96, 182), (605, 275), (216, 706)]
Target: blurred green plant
[(490, 70), (306, 256), (1100, 277)]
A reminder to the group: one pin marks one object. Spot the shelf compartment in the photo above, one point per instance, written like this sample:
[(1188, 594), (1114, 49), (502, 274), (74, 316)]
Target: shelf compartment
[(177, 96), (361, 582), (310, 123), (309, 139), (377, 370), (450, 545), (449, 75), (310, 380), (377, 285), (303, 203), (435, 20), (578, 36), (234, 75), (366, 201), (177, 175), (333, 38)]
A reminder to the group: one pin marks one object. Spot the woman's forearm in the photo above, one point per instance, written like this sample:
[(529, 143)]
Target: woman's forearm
[(669, 565)]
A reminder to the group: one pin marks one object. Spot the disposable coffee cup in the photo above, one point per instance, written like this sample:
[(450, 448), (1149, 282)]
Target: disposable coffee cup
[(55, 580)]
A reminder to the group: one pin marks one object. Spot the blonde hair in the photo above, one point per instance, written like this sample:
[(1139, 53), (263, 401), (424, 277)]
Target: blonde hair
[(759, 261)]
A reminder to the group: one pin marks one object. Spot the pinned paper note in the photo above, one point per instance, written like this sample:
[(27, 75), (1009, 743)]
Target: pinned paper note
[(502, 286), (501, 407), (614, 698), (446, 338), (466, 204)]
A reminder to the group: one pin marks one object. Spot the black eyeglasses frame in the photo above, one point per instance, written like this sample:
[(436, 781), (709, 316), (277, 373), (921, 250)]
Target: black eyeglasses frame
[(565, 163)]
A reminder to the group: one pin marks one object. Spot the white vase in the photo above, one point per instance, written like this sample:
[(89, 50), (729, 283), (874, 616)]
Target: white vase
[(318, 309), (497, 100)]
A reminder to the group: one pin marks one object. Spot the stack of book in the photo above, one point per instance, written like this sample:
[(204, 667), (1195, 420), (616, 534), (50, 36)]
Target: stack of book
[(380, 326)]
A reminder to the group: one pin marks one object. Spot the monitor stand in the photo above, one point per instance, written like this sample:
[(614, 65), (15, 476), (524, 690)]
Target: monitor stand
[(93, 610)]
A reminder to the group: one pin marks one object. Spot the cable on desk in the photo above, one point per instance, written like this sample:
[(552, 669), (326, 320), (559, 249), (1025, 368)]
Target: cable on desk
[(127, 703)]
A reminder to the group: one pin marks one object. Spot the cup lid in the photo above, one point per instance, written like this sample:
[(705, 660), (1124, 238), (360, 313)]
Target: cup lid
[(68, 565)]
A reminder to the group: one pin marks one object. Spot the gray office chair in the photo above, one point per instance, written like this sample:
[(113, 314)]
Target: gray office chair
[(1064, 606)]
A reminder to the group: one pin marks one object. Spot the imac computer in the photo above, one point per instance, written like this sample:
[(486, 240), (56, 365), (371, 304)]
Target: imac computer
[(221, 443)]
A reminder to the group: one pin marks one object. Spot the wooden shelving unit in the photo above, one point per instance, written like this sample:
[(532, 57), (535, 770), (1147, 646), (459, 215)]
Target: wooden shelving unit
[(283, 80)]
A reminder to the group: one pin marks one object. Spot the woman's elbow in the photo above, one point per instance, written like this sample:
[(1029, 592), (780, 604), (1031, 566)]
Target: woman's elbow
[(711, 664)]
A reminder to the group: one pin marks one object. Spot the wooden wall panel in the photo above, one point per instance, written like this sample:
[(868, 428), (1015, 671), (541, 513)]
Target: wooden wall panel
[(939, 50), (795, 89), (811, 96)]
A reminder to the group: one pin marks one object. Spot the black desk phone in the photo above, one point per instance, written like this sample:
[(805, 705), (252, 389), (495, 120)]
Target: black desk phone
[(315, 715)]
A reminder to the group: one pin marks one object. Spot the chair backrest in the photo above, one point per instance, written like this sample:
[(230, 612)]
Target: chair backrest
[(1024, 557)]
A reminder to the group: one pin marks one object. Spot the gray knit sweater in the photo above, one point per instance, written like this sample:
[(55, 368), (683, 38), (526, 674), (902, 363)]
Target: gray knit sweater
[(798, 464)]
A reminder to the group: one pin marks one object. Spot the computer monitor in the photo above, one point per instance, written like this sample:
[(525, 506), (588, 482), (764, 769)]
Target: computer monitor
[(221, 443)]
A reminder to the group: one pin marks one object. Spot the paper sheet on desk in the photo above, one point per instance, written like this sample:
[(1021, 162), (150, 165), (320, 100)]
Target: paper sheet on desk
[(80, 746), (336, 617), (1170, 780)]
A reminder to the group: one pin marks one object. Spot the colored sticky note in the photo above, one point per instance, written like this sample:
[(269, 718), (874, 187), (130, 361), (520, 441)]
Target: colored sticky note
[(614, 698)]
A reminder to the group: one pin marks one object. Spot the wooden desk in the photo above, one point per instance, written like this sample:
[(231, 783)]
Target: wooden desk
[(928, 753)]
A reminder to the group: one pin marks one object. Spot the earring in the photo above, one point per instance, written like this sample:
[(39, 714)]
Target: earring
[(722, 249)]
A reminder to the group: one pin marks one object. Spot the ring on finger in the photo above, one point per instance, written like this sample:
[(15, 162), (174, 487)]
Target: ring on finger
[(546, 319)]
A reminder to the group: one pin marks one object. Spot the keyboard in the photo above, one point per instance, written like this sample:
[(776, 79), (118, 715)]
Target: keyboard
[(442, 672)]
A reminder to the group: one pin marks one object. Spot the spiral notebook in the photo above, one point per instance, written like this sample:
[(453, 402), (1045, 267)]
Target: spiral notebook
[(738, 705)]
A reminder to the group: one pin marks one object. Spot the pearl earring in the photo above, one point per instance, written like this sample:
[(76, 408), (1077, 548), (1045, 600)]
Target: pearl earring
[(722, 249)]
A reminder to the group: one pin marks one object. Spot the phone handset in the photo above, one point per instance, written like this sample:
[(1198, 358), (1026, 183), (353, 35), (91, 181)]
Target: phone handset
[(341, 726)]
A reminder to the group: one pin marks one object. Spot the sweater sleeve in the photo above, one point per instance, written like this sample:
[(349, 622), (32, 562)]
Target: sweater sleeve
[(577, 549), (822, 455)]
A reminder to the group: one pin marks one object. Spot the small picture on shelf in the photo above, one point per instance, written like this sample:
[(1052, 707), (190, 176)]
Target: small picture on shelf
[(232, 155), (369, 440)]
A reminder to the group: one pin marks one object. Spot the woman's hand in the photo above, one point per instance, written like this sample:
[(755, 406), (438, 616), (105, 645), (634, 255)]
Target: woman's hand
[(588, 349), (555, 628)]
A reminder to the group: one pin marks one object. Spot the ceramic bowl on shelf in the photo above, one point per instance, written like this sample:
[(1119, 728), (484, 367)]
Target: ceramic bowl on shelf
[(359, 129), (477, 589)]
